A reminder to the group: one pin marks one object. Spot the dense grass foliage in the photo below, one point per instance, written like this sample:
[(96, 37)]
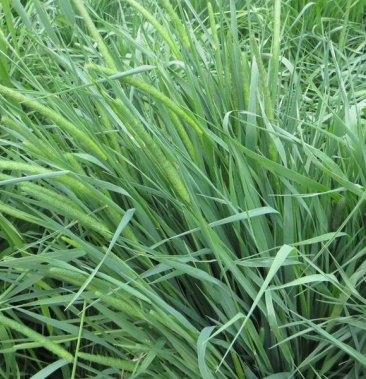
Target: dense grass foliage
[(182, 189)]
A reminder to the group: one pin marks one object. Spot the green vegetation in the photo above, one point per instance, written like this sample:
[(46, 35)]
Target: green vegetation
[(182, 189)]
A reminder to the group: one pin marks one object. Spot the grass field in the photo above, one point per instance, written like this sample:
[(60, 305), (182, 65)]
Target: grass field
[(182, 189)]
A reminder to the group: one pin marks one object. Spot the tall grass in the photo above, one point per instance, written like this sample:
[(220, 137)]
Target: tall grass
[(182, 189)]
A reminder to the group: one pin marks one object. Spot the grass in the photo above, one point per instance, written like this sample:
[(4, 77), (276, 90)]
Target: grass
[(182, 189)]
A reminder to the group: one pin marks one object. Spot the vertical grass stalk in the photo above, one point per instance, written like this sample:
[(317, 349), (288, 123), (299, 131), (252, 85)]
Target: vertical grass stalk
[(273, 153), (275, 60), (156, 24), (95, 34), (177, 23)]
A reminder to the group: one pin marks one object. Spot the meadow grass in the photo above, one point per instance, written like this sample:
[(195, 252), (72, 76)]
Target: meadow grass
[(182, 189)]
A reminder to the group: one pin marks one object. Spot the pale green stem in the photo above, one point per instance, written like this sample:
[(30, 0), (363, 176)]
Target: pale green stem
[(78, 343), (263, 80), (275, 60), (177, 23), (95, 34), (154, 22), (273, 153), (213, 27), (215, 37), (342, 37)]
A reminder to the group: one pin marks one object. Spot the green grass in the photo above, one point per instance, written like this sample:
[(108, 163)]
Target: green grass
[(182, 189)]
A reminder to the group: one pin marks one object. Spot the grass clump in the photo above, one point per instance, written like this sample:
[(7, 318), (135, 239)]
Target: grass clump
[(182, 189)]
